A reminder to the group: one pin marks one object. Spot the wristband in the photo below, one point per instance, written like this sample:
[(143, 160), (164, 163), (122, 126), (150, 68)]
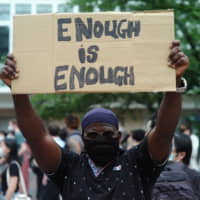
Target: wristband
[(183, 86)]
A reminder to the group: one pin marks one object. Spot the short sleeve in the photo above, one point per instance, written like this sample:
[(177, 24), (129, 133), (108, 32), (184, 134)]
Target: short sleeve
[(14, 171), (149, 170), (66, 166)]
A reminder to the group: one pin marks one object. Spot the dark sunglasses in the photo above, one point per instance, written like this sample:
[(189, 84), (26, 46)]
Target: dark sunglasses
[(108, 134)]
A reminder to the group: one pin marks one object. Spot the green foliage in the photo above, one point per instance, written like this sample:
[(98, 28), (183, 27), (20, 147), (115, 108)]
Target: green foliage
[(56, 105), (187, 19), (2, 59)]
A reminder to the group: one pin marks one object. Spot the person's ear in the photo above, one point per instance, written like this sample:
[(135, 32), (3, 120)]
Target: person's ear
[(180, 156)]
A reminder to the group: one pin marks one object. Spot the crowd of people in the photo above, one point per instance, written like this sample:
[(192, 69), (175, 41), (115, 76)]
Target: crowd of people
[(181, 175), (91, 165), (14, 150)]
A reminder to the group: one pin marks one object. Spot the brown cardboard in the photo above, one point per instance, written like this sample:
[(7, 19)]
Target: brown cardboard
[(47, 48)]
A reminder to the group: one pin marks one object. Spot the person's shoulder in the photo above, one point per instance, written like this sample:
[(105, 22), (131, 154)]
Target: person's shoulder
[(140, 147), (14, 168), (75, 133), (69, 155), (14, 163), (192, 172)]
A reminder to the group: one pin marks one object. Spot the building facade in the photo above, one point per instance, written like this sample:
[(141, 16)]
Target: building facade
[(9, 8)]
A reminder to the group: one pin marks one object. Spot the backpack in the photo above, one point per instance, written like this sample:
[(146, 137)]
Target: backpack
[(173, 184)]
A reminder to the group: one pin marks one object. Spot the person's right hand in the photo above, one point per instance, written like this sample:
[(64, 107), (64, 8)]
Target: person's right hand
[(9, 71)]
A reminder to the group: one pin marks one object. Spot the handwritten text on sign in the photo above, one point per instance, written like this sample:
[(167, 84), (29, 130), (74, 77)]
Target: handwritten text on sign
[(119, 75), (94, 52)]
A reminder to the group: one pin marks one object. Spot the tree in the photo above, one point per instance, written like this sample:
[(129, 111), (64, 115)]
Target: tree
[(186, 19), (187, 22)]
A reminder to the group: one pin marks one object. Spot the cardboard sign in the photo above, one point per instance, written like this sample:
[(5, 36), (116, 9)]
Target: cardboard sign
[(94, 52)]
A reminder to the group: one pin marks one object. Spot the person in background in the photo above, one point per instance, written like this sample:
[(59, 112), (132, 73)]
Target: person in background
[(23, 150), (74, 140), (178, 181), (8, 150), (135, 138), (3, 164), (103, 171), (187, 130), (54, 131), (181, 149), (39, 175), (3, 135), (11, 135), (49, 190), (13, 126), (63, 134)]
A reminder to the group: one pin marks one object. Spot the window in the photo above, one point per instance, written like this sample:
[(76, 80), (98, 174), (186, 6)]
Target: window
[(61, 8), (23, 9), (4, 40), (4, 12), (44, 8), (64, 8)]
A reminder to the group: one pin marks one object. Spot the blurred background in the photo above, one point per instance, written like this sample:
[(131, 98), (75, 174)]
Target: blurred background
[(135, 109)]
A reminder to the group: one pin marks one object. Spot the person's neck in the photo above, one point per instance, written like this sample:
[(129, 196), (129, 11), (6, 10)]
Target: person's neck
[(97, 166), (70, 130)]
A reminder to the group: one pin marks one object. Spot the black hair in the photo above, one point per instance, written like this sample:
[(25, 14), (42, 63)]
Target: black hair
[(63, 134), (183, 143), (54, 130), (3, 132), (138, 134), (12, 145), (11, 132), (72, 121)]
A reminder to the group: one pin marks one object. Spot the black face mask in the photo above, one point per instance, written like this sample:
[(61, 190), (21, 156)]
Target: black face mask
[(101, 150)]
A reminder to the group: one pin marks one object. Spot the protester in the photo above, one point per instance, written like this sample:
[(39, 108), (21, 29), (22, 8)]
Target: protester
[(178, 181), (63, 134), (103, 171), (2, 135), (74, 141), (187, 130), (49, 190), (10, 185), (13, 126), (136, 137), (39, 175), (54, 132), (23, 150), (11, 135), (3, 164)]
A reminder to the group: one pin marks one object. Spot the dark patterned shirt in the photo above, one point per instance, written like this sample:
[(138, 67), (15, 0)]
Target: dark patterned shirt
[(130, 177)]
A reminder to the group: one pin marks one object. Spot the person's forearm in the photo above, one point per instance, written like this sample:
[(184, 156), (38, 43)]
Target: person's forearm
[(169, 114), (11, 188), (9, 195), (160, 138), (29, 122), (32, 127)]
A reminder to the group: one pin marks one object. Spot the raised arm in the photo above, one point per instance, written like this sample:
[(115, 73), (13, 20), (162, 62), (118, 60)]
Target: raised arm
[(160, 138), (45, 150)]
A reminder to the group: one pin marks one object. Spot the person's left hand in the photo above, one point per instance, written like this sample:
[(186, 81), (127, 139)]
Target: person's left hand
[(177, 59)]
